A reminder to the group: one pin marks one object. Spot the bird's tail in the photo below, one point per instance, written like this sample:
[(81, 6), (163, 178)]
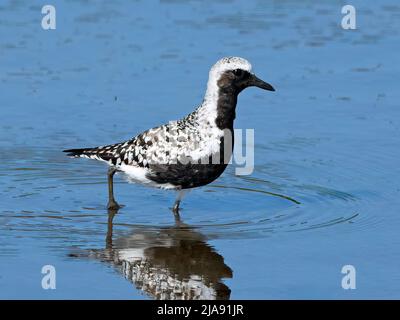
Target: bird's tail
[(81, 153), (103, 153)]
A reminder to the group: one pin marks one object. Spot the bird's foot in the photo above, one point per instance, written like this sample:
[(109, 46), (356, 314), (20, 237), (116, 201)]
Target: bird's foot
[(113, 205), (176, 209)]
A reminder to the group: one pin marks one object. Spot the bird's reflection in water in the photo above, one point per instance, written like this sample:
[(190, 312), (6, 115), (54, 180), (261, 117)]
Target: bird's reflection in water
[(168, 263)]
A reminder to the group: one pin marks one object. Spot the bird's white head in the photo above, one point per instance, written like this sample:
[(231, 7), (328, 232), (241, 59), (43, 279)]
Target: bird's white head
[(227, 78), (229, 64), (233, 73)]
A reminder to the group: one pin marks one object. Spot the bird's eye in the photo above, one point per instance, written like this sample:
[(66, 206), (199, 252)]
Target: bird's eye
[(238, 72)]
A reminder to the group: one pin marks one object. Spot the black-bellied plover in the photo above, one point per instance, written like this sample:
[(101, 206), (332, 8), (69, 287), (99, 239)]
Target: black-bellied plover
[(187, 153)]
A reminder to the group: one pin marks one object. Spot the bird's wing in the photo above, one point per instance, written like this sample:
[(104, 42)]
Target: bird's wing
[(166, 144), (156, 145)]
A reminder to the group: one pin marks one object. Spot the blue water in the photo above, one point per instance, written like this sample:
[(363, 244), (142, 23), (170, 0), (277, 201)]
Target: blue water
[(328, 138)]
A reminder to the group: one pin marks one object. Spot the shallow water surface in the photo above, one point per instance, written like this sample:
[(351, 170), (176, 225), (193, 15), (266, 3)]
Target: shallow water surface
[(324, 192)]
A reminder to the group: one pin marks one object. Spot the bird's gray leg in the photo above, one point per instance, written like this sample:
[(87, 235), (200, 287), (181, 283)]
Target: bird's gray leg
[(112, 204), (176, 207)]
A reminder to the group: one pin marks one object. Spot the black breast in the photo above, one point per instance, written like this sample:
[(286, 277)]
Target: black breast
[(191, 175)]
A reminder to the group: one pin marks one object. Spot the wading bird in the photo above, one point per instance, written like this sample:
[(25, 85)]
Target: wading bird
[(187, 153)]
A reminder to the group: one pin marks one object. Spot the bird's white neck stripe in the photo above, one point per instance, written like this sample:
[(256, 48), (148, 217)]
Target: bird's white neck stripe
[(208, 110)]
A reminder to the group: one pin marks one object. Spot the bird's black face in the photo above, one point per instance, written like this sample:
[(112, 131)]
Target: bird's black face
[(240, 79)]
